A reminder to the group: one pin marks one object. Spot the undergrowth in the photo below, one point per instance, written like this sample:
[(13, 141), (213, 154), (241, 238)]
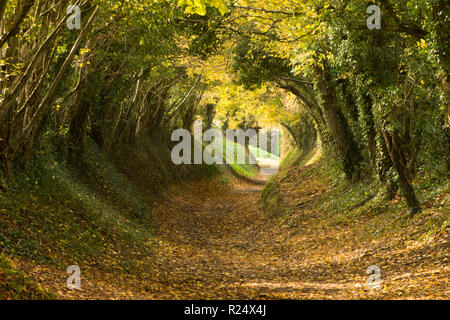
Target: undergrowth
[(58, 214), (361, 205)]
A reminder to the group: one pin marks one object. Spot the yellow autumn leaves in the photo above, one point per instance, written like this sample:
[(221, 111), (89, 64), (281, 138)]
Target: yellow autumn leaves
[(199, 6)]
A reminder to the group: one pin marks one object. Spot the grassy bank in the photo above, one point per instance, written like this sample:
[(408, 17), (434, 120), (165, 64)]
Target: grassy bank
[(322, 187), (97, 213)]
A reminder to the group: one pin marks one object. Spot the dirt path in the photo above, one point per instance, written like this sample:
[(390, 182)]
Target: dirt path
[(216, 242)]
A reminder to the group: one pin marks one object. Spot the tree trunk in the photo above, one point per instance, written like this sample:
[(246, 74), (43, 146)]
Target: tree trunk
[(340, 130), (368, 122), (396, 154)]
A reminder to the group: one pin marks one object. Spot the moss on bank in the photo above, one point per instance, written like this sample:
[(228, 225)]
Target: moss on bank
[(57, 214)]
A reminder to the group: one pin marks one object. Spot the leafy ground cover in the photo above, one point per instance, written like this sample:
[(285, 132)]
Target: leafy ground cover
[(216, 238)]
